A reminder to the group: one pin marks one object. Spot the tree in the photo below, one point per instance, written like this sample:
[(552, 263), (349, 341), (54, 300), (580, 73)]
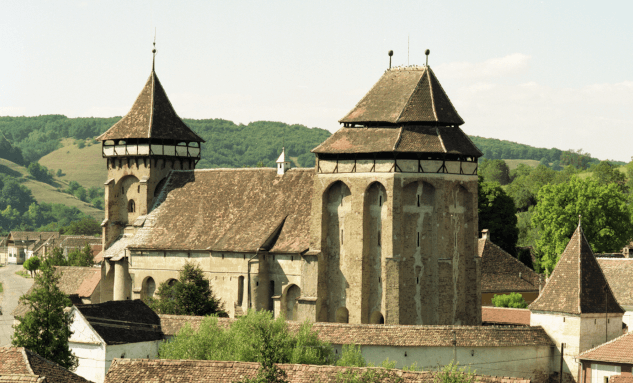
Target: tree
[(45, 328), (85, 226), (56, 258), (606, 173), (498, 214), (513, 300), (32, 264), (243, 341), (606, 218), (40, 172), (190, 295), (495, 171), (576, 158), (81, 257)]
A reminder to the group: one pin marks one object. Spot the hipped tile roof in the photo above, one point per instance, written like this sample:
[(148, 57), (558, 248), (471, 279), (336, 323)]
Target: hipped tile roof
[(230, 210), (151, 116), (74, 280), (577, 285), (395, 335), (121, 322), (505, 315), (405, 139), (32, 235), (619, 273), (618, 350), (500, 271), (404, 95), (181, 371), (23, 365)]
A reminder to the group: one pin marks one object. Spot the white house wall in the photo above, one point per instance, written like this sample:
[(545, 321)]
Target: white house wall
[(530, 362), (91, 358), (147, 350)]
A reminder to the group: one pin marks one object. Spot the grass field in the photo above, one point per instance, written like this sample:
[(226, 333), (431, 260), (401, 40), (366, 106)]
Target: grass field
[(512, 164), (43, 192), (1, 290), (86, 166)]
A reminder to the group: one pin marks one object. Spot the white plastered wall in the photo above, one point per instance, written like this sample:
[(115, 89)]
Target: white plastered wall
[(146, 350), (88, 347), (530, 362)]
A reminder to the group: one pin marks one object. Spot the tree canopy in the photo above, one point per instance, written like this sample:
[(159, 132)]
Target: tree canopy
[(45, 328), (606, 217), (498, 214), (190, 295)]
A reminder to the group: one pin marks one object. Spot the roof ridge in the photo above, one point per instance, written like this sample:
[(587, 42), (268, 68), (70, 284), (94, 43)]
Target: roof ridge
[(433, 100), (417, 85), (27, 362), (151, 105)]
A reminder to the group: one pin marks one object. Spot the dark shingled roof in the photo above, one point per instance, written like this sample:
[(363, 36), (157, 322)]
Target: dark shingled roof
[(395, 335), (619, 273), (406, 139), (403, 95), (618, 350), (577, 284), (230, 210), (120, 322), (151, 116), (26, 366), (500, 271), (181, 371)]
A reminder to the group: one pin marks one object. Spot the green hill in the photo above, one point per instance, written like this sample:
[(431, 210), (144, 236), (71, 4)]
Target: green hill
[(83, 165), (43, 192)]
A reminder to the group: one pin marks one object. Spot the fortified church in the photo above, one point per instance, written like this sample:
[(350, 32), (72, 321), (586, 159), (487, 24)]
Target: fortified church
[(382, 230)]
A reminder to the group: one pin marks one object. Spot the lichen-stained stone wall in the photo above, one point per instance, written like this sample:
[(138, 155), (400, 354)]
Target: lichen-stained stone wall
[(419, 230)]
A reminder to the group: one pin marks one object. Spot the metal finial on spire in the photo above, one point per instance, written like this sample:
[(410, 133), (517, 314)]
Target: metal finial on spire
[(390, 53), (579, 219), (427, 53), (154, 51)]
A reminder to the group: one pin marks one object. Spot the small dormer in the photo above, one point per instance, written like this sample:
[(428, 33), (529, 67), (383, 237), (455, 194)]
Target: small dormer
[(282, 164)]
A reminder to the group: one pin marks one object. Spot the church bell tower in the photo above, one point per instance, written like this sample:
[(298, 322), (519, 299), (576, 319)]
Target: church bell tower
[(394, 209), (141, 149)]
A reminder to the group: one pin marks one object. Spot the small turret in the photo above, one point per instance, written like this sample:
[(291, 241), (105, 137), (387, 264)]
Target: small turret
[(282, 164)]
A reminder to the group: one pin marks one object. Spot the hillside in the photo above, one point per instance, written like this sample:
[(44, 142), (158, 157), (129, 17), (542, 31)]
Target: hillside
[(85, 165), (43, 192)]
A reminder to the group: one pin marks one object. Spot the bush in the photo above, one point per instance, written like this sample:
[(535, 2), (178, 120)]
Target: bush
[(40, 172), (451, 373), (513, 300), (243, 341), (351, 356)]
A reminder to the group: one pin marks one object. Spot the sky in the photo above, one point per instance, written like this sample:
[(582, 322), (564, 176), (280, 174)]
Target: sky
[(542, 73)]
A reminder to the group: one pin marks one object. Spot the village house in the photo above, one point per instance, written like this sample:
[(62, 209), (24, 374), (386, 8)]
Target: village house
[(502, 273), (18, 364), (19, 244), (382, 230), (577, 307), (81, 284), (115, 329), (614, 358), (67, 244)]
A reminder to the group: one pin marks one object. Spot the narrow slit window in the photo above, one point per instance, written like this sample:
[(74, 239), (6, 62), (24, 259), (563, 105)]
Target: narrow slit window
[(380, 201), (417, 280), (418, 239), (222, 256), (341, 236), (379, 280), (138, 189), (379, 237), (418, 200)]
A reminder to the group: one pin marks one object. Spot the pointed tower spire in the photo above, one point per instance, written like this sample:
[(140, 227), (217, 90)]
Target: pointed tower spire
[(154, 52), (577, 285)]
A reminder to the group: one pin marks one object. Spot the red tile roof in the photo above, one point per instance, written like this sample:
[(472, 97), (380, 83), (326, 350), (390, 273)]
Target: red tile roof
[(619, 350), (577, 285), (621, 379), (395, 335), (501, 272), (505, 315), (181, 371), (26, 366)]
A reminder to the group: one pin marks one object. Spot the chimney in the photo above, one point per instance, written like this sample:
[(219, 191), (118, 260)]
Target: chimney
[(484, 235)]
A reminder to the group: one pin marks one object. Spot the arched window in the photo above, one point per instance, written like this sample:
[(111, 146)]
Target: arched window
[(131, 206), (150, 287), (376, 318), (342, 315)]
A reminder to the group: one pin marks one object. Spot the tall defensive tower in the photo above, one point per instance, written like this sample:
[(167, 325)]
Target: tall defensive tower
[(394, 209), (141, 149)]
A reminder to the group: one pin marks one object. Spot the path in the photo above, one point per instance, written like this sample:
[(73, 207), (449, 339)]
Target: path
[(14, 286)]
